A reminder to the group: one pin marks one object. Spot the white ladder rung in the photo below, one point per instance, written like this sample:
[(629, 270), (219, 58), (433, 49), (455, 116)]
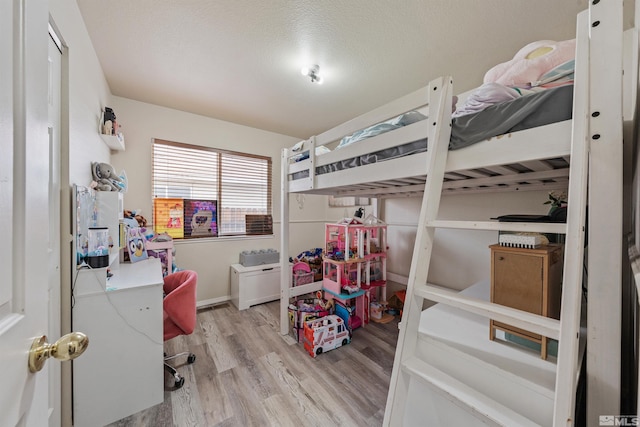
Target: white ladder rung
[(459, 392), (544, 326), (534, 227)]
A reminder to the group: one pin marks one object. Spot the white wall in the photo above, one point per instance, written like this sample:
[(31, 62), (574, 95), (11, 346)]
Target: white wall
[(460, 258), (88, 93), (211, 258)]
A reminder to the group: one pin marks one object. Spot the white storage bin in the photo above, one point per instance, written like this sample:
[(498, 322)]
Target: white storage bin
[(254, 285), (259, 257)]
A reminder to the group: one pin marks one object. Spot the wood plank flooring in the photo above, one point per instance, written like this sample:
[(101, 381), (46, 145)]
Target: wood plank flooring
[(247, 374)]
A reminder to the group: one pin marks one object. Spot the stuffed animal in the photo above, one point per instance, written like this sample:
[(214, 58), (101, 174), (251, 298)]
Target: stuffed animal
[(140, 220), (105, 177), (531, 62)]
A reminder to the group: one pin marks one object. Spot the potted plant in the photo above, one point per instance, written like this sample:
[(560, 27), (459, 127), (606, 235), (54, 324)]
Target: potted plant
[(558, 209)]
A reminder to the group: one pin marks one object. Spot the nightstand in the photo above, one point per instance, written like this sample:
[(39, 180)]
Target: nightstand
[(529, 280)]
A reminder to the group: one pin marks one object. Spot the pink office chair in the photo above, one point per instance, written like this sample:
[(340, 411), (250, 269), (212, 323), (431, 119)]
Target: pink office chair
[(179, 307)]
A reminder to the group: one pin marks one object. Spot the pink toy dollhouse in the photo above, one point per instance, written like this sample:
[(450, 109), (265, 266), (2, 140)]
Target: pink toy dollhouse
[(354, 263)]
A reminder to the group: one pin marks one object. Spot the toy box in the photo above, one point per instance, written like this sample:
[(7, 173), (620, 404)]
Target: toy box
[(297, 320), (313, 257), (301, 278), (259, 257), (304, 310), (302, 274)]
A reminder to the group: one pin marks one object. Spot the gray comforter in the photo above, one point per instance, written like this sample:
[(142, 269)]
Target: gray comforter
[(538, 109)]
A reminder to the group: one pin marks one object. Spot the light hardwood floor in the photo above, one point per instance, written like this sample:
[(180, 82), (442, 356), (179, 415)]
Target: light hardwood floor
[(247, 374)]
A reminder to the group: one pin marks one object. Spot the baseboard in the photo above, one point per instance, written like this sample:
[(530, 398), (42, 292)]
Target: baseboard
[(213, 301), (397, 278)]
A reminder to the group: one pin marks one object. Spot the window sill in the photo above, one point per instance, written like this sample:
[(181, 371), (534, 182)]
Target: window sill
[(222, 239)]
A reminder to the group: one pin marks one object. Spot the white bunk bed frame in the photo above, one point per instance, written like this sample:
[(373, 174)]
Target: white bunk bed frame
[(593, 137)]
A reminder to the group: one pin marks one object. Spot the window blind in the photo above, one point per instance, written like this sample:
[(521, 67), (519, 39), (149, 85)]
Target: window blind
[(239, 182)]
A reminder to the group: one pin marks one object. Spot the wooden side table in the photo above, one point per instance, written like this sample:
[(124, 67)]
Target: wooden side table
[(529, 280)]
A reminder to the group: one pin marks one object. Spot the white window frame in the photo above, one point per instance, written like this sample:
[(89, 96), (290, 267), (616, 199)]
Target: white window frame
[(240, 182)]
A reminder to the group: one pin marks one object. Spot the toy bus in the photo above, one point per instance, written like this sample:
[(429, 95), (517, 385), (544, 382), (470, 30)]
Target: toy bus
[(324, 334)]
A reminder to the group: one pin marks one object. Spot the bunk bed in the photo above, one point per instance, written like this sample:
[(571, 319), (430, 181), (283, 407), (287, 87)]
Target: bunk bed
[(535, 155), (478, 164), (393, 163)]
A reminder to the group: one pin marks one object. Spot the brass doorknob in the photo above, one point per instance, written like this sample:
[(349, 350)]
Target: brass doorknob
[(67, 347)]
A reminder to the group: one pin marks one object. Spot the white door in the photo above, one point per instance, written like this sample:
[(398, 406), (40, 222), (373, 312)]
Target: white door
[(54, 109), (24, 222)]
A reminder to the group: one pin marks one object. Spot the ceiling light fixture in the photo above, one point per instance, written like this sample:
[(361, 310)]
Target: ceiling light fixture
[(313, 72)]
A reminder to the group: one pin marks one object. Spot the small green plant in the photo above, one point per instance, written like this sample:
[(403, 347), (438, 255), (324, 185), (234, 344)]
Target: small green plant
[(556, 199)]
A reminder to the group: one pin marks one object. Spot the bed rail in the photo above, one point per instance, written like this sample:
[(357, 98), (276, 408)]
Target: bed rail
[(533, 159), (413, 101), (301, 160), (505, 163)]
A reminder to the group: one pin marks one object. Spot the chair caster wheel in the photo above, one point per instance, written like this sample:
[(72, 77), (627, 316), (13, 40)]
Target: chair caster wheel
[(191, 358), (179, 382)]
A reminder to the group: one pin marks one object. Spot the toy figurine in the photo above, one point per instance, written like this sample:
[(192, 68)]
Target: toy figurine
[(105, 178)]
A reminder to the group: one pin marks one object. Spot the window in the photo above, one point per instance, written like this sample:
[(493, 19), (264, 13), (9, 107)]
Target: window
[(204, 192)]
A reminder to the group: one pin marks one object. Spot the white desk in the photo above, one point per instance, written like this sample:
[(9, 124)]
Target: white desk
[(121, 372)]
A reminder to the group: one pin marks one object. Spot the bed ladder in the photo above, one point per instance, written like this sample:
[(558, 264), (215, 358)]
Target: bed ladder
[(408, 365)]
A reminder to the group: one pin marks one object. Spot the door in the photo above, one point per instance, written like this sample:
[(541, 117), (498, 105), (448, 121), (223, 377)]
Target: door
[(53, 245), (24, 173)]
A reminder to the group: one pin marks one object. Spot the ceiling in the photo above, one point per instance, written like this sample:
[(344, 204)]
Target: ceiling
[(240, 60)]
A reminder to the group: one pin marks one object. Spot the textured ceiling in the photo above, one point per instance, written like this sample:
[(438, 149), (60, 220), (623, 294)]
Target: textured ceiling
[(240, 60)]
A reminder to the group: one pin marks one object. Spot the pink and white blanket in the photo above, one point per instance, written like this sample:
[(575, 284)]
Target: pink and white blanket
[(537, 66)]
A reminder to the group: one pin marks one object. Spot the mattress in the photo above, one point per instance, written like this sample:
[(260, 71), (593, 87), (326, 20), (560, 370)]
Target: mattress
[(538, 109), (530, 111)]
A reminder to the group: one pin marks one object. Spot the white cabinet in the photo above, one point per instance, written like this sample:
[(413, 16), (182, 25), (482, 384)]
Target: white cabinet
[(121, 372), (254, 285)]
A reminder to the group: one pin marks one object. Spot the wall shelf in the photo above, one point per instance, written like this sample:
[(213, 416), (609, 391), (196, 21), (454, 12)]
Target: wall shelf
[(114, 142)]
